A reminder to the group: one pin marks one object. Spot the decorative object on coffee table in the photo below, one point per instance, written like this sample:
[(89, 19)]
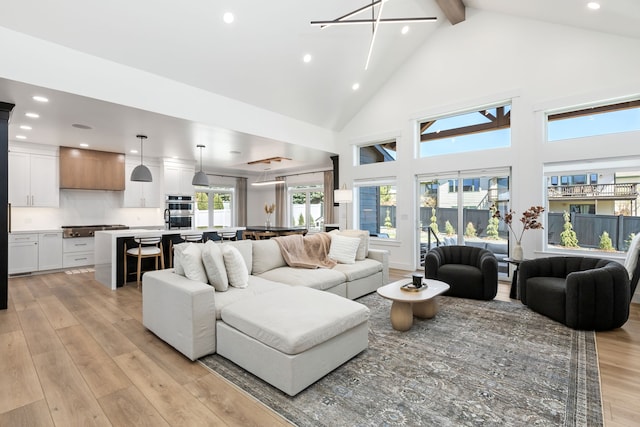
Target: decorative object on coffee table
[(408, 304)]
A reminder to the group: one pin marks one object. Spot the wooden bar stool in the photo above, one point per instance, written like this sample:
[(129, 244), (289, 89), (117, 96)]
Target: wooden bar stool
[(228, 235), (185, 237), (147, 247)]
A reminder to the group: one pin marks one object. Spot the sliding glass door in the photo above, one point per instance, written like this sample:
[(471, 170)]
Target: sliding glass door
[(456, 209)]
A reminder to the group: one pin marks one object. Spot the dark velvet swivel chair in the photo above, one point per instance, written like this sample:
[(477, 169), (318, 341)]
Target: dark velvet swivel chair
[(580, 292), (470, 272)]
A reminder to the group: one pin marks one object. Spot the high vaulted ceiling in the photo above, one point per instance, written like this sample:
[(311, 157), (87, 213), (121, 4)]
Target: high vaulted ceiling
[(257, 59)]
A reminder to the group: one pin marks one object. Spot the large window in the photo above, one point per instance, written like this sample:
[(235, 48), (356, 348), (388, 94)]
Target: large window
[(307, 206), (376, 208), (592, 121), (476, 130), (214, 208), (600, 213)]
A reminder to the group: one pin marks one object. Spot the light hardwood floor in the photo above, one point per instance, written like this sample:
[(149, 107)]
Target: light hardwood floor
[(75, 353)]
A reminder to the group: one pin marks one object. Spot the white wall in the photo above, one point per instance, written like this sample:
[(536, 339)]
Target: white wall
[(489, 58)]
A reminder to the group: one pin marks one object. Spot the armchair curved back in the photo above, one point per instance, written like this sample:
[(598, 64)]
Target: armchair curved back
[(581, 292), (470, 272)]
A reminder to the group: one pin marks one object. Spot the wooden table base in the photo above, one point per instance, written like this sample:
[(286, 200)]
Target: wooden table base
[(402, 313)]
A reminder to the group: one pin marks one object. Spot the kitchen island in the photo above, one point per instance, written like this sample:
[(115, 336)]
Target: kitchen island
[(109, 249)]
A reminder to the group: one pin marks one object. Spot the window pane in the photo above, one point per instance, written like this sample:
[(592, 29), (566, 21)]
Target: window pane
[(478, 130), (378, 210), (378, 153), (624, 117), (579, 214), (214, 209)]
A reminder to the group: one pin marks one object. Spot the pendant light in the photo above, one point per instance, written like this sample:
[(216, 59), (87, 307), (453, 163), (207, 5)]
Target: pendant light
[(200, 178), (141, 173)]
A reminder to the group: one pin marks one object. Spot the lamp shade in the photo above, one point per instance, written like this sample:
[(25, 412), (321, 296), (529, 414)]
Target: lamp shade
[(141, 173), (343, 195), (200, 179)]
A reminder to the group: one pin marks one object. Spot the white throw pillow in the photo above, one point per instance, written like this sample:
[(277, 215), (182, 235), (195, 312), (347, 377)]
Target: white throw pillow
[(192, 263), (177, 258), (343, 249), (236, 267), (214, 266), (363, 235)]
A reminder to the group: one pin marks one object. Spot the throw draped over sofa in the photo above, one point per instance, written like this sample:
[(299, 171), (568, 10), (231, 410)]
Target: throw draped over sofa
[(580, 292), (469, 271)]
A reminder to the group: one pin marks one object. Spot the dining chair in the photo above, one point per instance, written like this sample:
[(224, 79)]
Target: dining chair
[(264, 235)]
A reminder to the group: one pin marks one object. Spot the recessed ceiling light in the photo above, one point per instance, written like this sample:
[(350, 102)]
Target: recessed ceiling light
[(405, 29), (25, 127), (32, 115), (133, 151), (40, 98), (355, 86), (21, 137), (80, 126), (593, 5), (228, 17), (307, 58), (84, 144)]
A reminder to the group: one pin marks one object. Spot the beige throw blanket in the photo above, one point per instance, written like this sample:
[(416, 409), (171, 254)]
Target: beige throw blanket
[(306, 252)]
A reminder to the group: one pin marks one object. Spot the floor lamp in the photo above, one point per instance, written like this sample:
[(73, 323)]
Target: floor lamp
[(344, 196)]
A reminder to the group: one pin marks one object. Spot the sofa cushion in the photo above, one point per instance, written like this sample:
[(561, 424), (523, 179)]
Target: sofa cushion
[(294, 320), (177, 257), (320, 278), (257, 286), (213, 262), (359, 269), (246, 250), (235, 266), (266, 256), (192, 263), (343, 249), (363, 235)]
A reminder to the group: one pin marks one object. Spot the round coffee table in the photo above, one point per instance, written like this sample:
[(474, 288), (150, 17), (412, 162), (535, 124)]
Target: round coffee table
[(406, 304)]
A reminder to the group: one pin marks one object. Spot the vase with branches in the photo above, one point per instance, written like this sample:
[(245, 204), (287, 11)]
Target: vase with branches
[(529, 220)]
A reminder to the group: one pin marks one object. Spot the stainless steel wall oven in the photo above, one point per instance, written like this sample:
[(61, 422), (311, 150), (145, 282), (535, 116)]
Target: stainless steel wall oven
[(178, 213)]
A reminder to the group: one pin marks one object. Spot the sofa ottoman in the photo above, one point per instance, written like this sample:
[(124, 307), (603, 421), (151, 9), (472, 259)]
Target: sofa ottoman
[(292, 337)]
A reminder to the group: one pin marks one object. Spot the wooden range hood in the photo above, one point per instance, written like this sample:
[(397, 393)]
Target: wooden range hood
[(91, 169)]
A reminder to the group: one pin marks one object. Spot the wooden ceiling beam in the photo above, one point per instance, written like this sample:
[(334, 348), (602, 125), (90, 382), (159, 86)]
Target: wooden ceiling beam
[(454, 10)]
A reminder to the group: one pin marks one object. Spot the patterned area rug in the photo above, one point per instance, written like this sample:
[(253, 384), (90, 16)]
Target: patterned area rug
[(487, 363)]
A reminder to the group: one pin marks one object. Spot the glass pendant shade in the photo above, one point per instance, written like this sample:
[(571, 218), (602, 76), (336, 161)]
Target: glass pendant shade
[(141, 173)]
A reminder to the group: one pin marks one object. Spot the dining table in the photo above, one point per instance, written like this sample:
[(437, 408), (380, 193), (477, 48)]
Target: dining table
[(277, 230)]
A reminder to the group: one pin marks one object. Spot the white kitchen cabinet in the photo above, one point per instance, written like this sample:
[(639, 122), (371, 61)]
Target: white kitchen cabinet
[(177, 180), (77, 252), (142, 194), (50, 250), (33, 180), (23, 253)]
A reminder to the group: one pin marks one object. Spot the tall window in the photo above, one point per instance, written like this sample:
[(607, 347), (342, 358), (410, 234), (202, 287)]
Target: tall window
[(475, 130), (376, 208), (307, 206), (214, 208)]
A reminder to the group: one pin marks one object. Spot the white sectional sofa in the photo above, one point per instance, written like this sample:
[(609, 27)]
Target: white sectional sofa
[(197, 320)]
